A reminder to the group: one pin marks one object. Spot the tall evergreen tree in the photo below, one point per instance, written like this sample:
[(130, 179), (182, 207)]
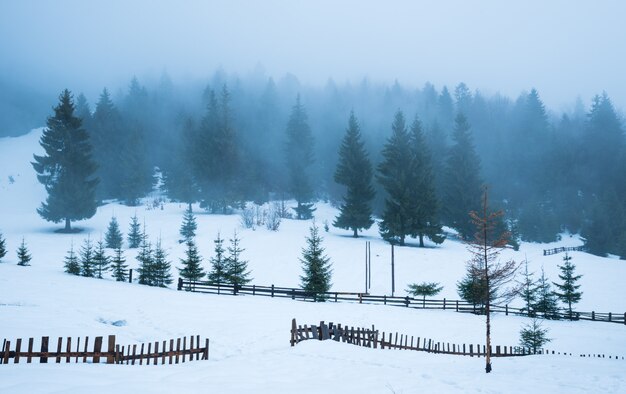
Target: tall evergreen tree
[(299, 160), (236, 268), (23, 256), (3, 246), (66, 170), (462, 180), (528, 291), (134, 233), (86, 257), (192, 268), (162, 267), (71, 264), (567, 292), (316, 265), (354, 171), (137, 178), (100, 260), (118, 267), (219, 263), (189, 225), (179, 178), (113, 236), (145, 257), (547, 303)]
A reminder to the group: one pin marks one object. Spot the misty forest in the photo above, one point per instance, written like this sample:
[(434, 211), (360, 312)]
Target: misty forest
[(416, 159)]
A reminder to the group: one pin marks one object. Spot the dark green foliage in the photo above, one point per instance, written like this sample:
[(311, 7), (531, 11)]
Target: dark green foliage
[(145, 257), (71, 264), (192, 269), (86, 258), (134, 233), (219, 263), (179, 178), (316, 266), (189, 226), (528, 290), (66, 170), (100, 260), (462, 180), (137, 177), (473, 289), (23, 257), (547, 303), (236, 268), (354, 171), (567, 291), (113, 236), (299, 151), (424, 289), (161, 268), (533, 336), (3, 246), (118, 267)]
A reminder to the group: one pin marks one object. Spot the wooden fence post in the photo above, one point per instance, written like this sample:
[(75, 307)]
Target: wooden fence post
[(44, 350), (444, 304), (272, 291), (180, 284), (506, 309), (111, 350), (7, 347), (293, 332), (97, 348), (130, 275), (457, 305), (406, 301), (18, 347)]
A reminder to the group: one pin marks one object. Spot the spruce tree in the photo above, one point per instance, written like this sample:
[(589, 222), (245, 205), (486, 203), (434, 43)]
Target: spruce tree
[(533, 336), (23, 257), (299, 160), (100, 260), (118, 267), (3, 246), (236, 268), (316, 266), (162, 267), (192, 268), (568, 290), (219, 263), (354, 171), (189, 226), (71, 264), (134, 233), (547, 303), (393, 175), (86, 257), (146, 263), (113, 236), (528, 291), (66, 170), (462, 180)]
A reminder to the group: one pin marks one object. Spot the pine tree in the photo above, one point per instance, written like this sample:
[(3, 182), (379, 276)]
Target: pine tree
[(192, 268), (134, 233), (71, 264), (316, 266), (354, 170), (219, 263), (462, 180), (299, 160), (3, 246), (118, 268), (67, 169), (189, 226), (547, 303), (23, 257), (236, 268), (113, 236), (533, 336), (162, 267), (86, 257), (528, 291), (100, 260), (137, 177), (568, 291), (146, 263)]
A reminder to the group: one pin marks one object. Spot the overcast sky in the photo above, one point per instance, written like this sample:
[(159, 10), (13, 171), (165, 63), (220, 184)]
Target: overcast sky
[(563, 48)]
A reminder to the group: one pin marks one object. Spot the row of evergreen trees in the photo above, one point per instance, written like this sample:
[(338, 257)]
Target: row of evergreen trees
[(23, 255)]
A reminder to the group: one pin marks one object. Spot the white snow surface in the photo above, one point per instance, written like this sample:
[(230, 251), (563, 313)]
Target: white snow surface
[(250, 349)]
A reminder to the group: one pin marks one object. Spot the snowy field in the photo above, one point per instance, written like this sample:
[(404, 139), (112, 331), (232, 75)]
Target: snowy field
[(249, 336)]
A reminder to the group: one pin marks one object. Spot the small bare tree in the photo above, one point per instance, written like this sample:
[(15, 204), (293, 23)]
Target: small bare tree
[(496, 277)]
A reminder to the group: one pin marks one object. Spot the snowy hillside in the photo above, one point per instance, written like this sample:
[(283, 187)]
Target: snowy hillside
[(250, 335)]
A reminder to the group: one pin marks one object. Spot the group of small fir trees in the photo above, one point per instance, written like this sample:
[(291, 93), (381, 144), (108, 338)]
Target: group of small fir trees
[(23, 255)]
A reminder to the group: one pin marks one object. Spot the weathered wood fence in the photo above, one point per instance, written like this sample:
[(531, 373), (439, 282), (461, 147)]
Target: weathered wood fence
[(548, 252), (155, 353), (365, 298), (372, 338)]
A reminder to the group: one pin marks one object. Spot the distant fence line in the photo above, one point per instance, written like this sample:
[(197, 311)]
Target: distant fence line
[(372, 338), (365, 298), (115, 354), (548, 252)]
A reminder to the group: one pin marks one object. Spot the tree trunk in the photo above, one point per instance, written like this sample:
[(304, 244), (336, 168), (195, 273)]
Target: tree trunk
[(421, 240), (68, 227), (402, 240), (356, 234)]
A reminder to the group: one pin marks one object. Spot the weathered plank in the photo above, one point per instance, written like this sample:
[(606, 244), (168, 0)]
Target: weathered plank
[(44, 350)]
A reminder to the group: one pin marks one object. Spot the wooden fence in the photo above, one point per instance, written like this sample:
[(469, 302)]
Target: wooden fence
[(372, 338), (365, 298), (548, 252), (114, 353)]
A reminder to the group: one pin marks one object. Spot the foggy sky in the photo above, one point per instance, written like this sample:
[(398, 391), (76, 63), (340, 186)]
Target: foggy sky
[(564, 49)]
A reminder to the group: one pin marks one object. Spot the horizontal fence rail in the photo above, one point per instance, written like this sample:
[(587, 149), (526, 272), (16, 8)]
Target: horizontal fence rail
[(372, 338), (114, 353), (548, 252), (408, 302)]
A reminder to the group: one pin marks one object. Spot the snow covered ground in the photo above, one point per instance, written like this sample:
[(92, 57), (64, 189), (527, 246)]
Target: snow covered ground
[(250, 335)]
